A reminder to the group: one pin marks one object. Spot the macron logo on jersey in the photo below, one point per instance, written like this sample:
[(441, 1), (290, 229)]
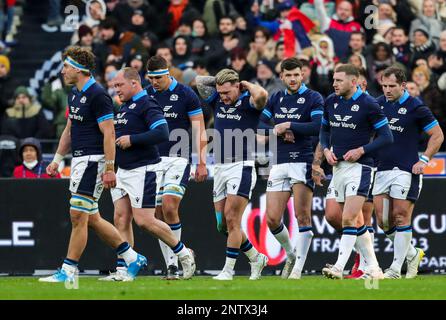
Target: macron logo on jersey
[(168, 114), (227, 114), (287, 114), (342, 122), (394, 127)]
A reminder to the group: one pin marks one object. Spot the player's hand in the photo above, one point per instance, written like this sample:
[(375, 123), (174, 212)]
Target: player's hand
[(288, 136), (330, 157), (245, 85), (52, 169), (109, 179), (317, 174), (418, 168), (123, 142), (354, 154), (281, 128), (201, 173)]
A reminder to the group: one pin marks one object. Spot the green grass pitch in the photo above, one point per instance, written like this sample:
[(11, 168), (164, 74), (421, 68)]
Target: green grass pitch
[(204, 288)]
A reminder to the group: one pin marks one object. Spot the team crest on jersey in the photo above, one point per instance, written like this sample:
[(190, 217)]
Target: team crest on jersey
[(83, 99), (174, 97), (301, 100), (335, 105), (402, 110), (238, 103), (132, 106), (355, 107)]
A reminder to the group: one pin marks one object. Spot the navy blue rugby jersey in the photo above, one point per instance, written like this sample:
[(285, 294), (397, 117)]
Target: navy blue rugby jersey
[(301, 107), (352, 123), (235, 125), (179, 103), (87, 108), (138, 115), (408, 118)]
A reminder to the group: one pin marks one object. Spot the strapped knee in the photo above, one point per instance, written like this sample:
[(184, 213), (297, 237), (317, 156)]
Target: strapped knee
[(83, 204), (220, 226)]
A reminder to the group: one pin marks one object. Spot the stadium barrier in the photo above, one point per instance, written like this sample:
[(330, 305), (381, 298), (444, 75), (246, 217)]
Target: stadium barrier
[(35, 229)]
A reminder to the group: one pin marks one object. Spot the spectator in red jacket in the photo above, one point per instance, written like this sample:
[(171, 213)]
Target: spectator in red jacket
[(32, 166), (339, 26)]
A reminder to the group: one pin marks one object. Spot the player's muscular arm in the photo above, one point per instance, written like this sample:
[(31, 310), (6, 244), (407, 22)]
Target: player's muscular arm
[(62, 149), (108, 130), (324, 138), (65, 140), (436, 138), (206, 86), (200, 142), (317, 173), (259, 96)]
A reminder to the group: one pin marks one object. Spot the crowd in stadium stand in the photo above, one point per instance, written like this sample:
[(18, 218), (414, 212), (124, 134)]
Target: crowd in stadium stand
[(200, 37)]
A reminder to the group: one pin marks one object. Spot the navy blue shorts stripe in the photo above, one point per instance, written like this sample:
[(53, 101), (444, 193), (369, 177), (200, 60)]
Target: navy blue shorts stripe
[(186, 175), (88, 180), (149, 197), (370, 195), (414, 189), (245, 182), (364, 185)]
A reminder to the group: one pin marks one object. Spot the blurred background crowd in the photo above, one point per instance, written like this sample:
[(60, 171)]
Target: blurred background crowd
[(200, 37)]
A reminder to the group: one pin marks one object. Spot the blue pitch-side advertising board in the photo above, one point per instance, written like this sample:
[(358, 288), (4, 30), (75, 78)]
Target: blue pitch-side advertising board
[(35, 229)]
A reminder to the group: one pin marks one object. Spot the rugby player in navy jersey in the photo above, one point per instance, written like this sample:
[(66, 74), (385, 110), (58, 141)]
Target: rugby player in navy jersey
[(237, 108), (140, 125), (333, 210), (91, 135), (182, 110), (300, 110), (350, 118), (399, 177)]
